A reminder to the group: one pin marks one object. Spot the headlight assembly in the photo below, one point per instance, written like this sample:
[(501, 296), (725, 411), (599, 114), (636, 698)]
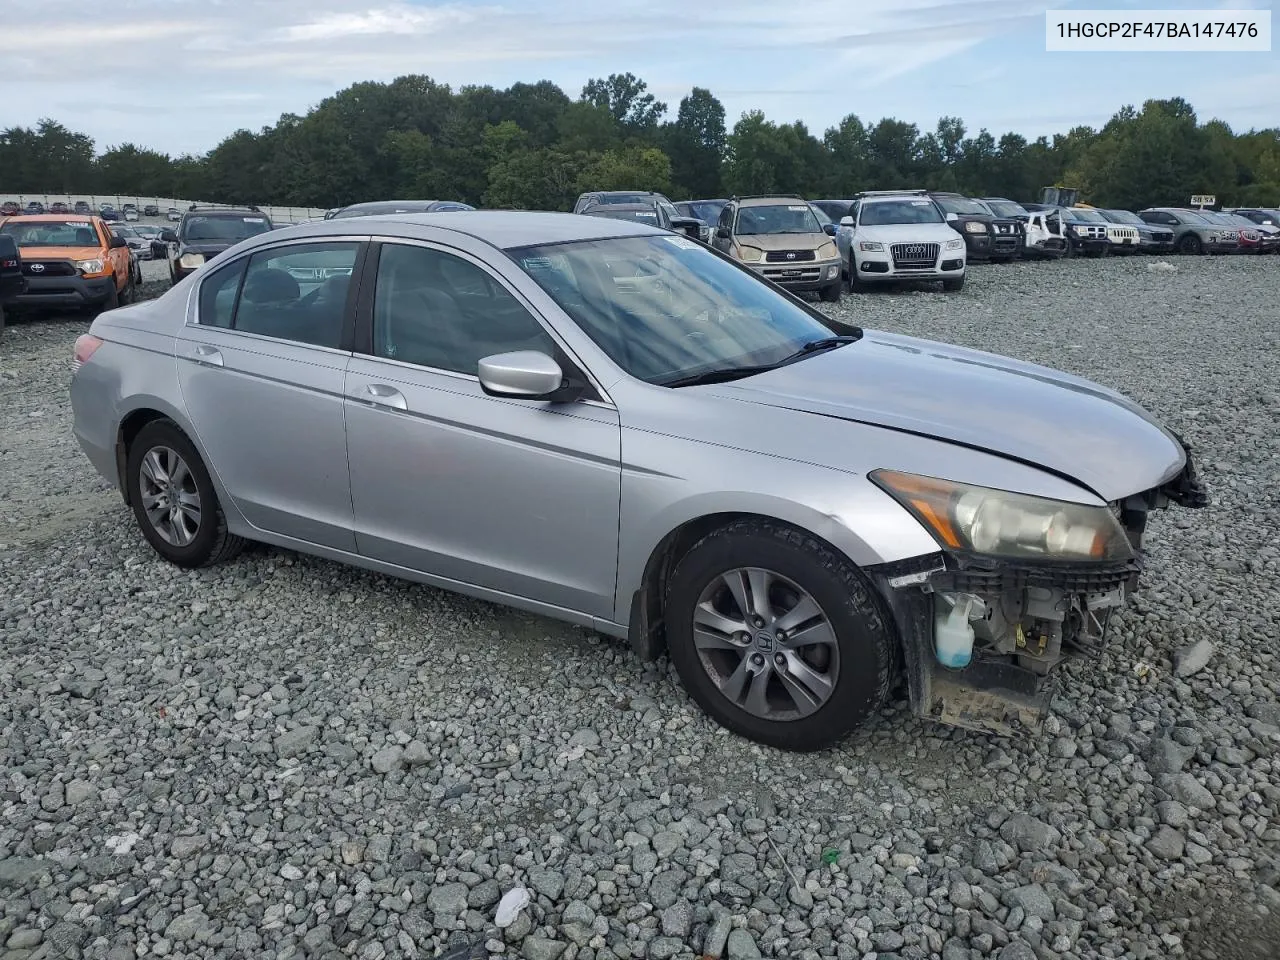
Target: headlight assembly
[(870, 246), (953, 245), (88, 267), (189, 261), (828, 251), (975, 226), (1003, 524), (749, 254)]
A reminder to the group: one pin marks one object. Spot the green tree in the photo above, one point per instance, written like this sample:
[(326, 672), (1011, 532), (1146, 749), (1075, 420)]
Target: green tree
[(696, 143), (624, 96)]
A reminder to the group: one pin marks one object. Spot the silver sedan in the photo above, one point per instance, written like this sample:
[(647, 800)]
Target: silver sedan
[(618, 427)]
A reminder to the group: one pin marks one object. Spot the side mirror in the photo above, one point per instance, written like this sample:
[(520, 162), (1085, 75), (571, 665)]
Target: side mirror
[(722, 233), (829, 229), (846, 221), (168, 236), (952, 218), (117, 242), (526, 375)]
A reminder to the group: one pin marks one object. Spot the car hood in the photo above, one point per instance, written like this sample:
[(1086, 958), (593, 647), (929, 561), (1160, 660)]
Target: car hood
[(782, 241), (1060, 423), (60, 253), (207, 247), (907, 233)]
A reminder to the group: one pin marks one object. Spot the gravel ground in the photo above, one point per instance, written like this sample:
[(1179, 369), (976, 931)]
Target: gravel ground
[(283, 757)]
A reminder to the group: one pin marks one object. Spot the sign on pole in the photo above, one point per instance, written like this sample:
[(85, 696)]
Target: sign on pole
[(1204, 200)]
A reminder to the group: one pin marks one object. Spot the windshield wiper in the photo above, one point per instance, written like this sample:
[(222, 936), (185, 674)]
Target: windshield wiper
[(726, 374)]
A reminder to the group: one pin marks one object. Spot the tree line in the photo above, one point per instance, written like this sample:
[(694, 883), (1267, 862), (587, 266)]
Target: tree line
[(531, 146)]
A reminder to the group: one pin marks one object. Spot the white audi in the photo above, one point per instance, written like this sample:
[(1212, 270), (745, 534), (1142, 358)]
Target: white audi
[(896, 236)]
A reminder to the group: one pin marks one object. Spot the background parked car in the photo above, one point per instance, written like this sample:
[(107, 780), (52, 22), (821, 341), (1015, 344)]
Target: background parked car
[(1086, 232), (895, 235), (140, 245), (1248, 239), (108, 212), (1124, 238), (151, 210), (1151, 238), (780, 238), (82, 208), (1259, 215), (205, 232), (708, 211), (173, 214), (653, 215), (1044, 237), (986, 237), (71, 263), (1268, 232), (1192, 233), (130, 212), (34, 208), (10, 208), (12, 282), (58, 206)]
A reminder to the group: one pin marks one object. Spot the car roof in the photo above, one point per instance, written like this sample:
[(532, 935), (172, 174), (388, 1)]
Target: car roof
[(49, 217), (780, 201), (614, 207), (504, 229), (225, 212)]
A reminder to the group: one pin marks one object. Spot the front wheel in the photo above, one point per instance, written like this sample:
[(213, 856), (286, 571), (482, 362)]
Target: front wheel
[(830, 293), (953, 284), (1190, 244), (777, 636), (174, 501)]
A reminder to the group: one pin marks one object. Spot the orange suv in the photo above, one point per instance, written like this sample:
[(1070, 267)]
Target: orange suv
[(70, 263)]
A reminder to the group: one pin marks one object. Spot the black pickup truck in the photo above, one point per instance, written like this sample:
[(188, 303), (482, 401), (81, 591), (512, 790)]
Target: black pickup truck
[(12, 282)]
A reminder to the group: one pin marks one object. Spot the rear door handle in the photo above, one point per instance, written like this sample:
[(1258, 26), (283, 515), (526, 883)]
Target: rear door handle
[(382, 395), (203, 353)]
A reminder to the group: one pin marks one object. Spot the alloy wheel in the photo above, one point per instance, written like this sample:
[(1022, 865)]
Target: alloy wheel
[(170, 497), (766, 644)]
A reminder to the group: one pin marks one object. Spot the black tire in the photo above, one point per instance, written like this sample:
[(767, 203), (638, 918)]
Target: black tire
[(1190, 245), (212, 542), (129, 292), (112, 301), (830, 293), (953, 284), (1, 321), (1070, 250), (865, 639), (855, 285)]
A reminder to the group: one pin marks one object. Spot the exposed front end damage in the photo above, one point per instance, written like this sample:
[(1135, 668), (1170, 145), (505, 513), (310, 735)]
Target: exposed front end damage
[(1024, 619)]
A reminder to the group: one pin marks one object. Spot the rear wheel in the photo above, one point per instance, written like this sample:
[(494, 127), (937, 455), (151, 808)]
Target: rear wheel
[(777, 636), (174, 501)]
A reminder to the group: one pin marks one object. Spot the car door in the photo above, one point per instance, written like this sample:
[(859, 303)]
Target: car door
[(514, 496), (261, 365)]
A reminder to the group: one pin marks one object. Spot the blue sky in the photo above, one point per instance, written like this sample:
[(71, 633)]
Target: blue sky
[(185, 73)]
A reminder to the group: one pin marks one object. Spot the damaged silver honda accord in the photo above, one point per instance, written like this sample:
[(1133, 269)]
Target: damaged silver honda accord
[(618, 427)]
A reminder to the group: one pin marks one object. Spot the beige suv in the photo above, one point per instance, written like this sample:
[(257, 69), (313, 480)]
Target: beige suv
[(781, 238)]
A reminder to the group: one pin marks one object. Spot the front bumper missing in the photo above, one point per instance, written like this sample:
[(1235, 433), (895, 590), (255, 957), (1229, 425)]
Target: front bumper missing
[(1034, 615)]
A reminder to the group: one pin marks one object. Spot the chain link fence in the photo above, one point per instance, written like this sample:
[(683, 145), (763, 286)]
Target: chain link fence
[(278, 215)]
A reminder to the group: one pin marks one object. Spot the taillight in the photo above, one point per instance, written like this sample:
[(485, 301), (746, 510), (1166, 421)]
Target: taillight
[(86, 345)]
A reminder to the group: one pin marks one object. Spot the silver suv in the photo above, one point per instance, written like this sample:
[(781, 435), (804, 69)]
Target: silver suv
[(780, 238)]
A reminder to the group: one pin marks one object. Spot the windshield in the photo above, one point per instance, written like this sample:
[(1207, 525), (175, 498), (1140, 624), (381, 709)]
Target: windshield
[(219, 229), (123, 231), (1007, 208), (146, 229), (776, 218), (1189, 216), (1123, 216), (706, 211), (52, 233), (619, 198), (962, 205), (1087, 216), (664, 307), (821, 214), (885, 212)]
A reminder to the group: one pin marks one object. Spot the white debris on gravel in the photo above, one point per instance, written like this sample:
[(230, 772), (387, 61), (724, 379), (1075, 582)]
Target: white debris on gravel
[(313, 761)]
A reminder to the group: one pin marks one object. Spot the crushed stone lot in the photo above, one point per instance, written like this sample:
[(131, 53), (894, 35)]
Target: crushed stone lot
[(284, 757)]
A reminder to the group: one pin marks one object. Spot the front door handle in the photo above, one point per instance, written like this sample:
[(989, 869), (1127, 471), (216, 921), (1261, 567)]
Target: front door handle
[(203, 353), (382, 395)]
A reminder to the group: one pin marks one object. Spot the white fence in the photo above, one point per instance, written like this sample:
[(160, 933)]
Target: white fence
[(282, 214)]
